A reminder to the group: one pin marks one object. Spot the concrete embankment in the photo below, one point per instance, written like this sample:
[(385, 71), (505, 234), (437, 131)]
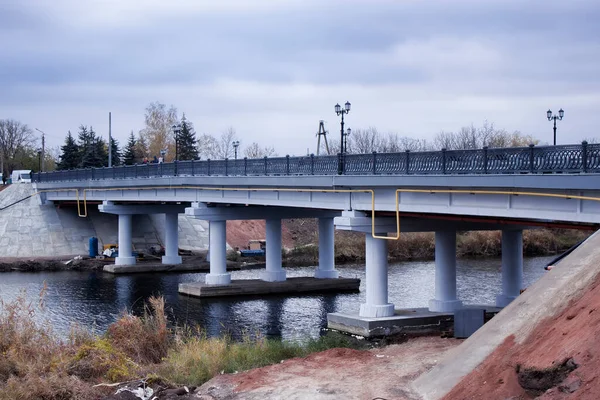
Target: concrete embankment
[(28, 229), (544, 342)]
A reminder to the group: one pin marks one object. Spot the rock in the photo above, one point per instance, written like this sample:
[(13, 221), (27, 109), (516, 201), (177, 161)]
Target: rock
[(570, 385)]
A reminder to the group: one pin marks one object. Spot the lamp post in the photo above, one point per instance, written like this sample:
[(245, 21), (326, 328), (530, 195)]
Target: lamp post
[(176, 130), (561, 114), (235, 144), (340, 111), (348, 132)]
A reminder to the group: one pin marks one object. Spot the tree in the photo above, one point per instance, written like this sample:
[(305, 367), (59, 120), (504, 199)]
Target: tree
[(92, 149), (217, 148), (256, 151), (187, 141), (129, 153), (70, 154), (470, 137), (116, 152), (141, 149), (15, 138), (158, 132)]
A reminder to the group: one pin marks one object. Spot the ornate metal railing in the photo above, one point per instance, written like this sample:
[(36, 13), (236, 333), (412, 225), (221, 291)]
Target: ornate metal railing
[(517, 160)]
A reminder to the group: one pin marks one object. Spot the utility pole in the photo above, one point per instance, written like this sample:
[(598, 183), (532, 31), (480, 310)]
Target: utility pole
[(109, 142), (43, 155)]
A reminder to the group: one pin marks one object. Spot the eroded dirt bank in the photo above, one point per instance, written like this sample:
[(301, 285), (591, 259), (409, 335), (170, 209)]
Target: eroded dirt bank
[(560, 359), (336, 374)]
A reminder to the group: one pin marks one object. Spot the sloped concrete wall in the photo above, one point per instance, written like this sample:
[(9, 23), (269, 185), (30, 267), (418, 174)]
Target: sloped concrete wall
[(28, 229)]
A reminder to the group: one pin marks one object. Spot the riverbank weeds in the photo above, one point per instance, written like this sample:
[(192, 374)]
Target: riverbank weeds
[(35, 363)]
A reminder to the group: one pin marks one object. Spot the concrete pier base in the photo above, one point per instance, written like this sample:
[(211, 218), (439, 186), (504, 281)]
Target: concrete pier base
[(445, 273), (171, 240), (218, 261), (247, 287), (512, 267), (125, 243), (273, 272), (403, 321), (326, 269)]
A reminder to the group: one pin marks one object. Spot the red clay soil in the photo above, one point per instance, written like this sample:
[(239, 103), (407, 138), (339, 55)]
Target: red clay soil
[(573, 334), (336, 374), (240, 232)]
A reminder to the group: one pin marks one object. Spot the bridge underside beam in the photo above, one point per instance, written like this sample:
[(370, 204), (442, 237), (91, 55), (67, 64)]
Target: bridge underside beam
[(359, 221), (223, 212), (110, 208)]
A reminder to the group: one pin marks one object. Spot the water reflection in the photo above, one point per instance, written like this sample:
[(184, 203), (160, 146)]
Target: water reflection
[(95, 299)]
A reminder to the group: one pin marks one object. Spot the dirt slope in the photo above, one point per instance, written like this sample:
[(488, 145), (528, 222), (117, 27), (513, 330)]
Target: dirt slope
[(336, 374), (529, 369)]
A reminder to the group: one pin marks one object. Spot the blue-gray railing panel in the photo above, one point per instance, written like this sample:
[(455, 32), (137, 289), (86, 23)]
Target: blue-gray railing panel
[(508, 160), (543, 159), (593, 157), (428, 162), (390, 163)]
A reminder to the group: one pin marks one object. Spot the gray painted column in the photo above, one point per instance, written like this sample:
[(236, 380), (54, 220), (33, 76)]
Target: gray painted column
[(512, 267), (171, 239), (274, 272), (326, 267), (376, 304), (125, 257), (445, 274), (218, 257)]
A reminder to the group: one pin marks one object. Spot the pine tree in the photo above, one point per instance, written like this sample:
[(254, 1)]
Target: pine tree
[(92, 149), (187, 149), (116, 153), (70, 157), (129, 153)]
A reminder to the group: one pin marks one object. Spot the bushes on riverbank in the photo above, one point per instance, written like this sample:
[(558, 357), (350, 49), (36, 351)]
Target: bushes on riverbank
[(350, 246), (36, 364)]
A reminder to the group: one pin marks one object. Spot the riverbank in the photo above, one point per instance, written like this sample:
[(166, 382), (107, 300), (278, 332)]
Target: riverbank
[(146, 351)]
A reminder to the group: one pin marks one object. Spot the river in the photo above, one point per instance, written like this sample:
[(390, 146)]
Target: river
[(95, 299)]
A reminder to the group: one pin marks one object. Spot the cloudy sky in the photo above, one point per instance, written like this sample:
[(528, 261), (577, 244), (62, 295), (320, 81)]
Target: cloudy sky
[(272, 69)]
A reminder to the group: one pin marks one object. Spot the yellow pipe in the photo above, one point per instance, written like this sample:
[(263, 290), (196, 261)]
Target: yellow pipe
[(371, 191)]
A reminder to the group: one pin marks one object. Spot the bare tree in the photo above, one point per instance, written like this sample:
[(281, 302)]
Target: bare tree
[(470, 137), (225, 143), (208, 146), (158, 133), (15, 138), (363, 141), (256, 151)]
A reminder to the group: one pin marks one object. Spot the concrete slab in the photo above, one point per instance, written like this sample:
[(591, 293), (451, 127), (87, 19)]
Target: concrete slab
[(139, 268), (407, 320), (246, 287)]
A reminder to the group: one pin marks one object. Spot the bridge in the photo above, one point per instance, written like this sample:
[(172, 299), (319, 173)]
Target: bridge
[(380, 195)]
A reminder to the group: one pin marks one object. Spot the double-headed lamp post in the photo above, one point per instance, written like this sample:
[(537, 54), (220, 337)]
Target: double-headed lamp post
[(236, 144), (561, 114), (340, 111), (176, 130)]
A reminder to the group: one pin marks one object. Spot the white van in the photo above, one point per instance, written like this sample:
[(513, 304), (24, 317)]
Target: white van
[(21, 176)]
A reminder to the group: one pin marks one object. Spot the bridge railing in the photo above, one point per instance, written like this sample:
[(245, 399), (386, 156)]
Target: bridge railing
[(515, 160)]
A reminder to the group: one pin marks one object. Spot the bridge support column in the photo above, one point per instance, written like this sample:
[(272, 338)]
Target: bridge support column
[(512, 267), (445, 274), (274, 271), (125, 257), (218, 258), (376, 304), (171, 239), (326, 267)]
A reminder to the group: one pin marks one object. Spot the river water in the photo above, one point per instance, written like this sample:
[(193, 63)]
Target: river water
[(96, 299)]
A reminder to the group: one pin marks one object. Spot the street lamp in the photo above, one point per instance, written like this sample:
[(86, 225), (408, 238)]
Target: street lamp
[(340, 111), (561, 114), (235, 144), (348, 132), (176, 130)]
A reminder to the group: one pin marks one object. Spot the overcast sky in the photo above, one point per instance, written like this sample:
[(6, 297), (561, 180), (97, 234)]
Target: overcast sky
[(273, 69)]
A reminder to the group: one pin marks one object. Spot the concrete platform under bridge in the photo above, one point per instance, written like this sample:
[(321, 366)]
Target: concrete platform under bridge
[(248, 287), (407, 320)]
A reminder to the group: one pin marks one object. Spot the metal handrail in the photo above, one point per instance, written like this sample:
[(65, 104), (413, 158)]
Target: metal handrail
[(577, 158)]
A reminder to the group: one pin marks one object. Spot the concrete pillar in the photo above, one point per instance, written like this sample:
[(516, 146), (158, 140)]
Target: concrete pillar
[(326, 267), (376, 304), (512, 267), (125, 257), (445, 274), (171, 239), (274, 272), (218, 257)]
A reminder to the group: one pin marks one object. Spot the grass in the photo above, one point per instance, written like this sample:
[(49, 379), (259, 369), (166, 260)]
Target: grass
[(36, 364)]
